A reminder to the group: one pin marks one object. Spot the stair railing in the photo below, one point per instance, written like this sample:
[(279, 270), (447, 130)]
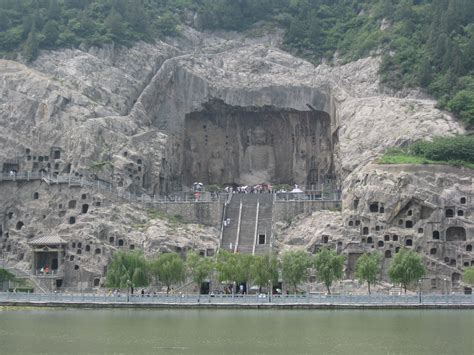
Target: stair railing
[(256, 227), (237, 238)]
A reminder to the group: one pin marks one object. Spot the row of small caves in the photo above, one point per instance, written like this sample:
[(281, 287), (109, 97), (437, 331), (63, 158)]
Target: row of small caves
[(76, 247), (452, 234), (19, 224), (53, 163), (45, 163)]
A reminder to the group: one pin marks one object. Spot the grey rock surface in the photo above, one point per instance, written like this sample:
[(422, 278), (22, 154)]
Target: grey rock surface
[(119, 116)]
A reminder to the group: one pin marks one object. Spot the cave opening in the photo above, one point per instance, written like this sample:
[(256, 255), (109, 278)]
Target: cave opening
[(249, 145)]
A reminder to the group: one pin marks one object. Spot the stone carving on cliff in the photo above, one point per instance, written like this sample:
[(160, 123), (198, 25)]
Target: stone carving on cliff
[(259, 159), (137, 115)]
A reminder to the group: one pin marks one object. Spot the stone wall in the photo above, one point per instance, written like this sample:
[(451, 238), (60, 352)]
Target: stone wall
[(286, 210), (205, 213)]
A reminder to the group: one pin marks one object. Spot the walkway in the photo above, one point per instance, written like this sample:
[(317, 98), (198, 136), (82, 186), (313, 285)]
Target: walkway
[(237, 301)]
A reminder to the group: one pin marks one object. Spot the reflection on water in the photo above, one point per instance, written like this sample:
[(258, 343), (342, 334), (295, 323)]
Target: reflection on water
[(236, 332)]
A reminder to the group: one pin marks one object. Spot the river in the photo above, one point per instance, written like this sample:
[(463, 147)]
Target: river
[(53, 331)]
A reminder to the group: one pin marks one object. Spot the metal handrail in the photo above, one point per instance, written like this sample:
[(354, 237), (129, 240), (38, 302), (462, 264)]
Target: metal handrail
[(293, 299)]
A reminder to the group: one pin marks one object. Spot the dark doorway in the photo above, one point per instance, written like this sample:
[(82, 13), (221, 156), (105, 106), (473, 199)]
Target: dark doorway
[(205, 288), (261, 239)]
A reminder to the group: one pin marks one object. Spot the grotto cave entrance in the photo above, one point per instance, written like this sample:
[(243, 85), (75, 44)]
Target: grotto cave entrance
[(252, 145), (48, 253)]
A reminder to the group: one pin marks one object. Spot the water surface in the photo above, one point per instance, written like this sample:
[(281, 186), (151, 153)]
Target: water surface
[(53, 331)]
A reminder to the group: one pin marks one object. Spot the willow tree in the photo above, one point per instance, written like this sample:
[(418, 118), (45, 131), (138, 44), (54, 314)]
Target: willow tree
[(329, 266), (469, 275), (406, 267), (264, 270), (198, 267), (233, 268), (295, 266), (168, 268), (127, 269), (367, 268)]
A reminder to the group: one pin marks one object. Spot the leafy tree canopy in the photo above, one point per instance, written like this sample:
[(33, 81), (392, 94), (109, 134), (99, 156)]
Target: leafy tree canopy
[(368, 268), (127, 269), (6, 275), (198, 267), (469, 275), (295, 266), (406, 267), (264, 268), (168, 268), (329, 266)]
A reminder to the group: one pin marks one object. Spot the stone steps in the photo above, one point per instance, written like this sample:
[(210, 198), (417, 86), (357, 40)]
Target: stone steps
[(247, 222)]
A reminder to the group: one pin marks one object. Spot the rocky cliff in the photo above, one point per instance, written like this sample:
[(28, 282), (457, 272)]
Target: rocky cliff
[(138, 119)]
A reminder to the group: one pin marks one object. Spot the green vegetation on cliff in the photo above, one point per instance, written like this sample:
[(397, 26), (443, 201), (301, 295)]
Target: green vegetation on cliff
[(427, 43), (457, 151)]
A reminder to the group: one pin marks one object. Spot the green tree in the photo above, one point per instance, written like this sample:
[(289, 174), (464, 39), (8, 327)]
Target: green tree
[(264, 268), (127, 267), (199, 268), (30, 48), (368, 268), (50, 33), (469, 275), (167, 24), (329, 266), (115, 25), (463, 104), (226, 266), (295, 266), (244, 268), (168, 268), (6, 275), (406, 267)]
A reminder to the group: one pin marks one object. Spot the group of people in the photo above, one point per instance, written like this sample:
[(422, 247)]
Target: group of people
[(227, 222), (44, 270), (244, 189)]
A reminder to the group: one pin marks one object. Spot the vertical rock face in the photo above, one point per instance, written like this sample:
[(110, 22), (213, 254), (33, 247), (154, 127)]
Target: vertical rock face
[(248, 145), (428, 209), (153, 117)]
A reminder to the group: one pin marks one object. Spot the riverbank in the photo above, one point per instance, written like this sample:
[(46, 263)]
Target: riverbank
[(233, 305), (190, 301)]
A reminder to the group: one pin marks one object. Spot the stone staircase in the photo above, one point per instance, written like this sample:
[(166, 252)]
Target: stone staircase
[(265, 223), (247, 224), (250, 216), (38, 284), (229, 235)]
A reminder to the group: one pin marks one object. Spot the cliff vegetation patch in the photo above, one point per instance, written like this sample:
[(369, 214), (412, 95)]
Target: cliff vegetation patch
[(456, 151), (423, 43)]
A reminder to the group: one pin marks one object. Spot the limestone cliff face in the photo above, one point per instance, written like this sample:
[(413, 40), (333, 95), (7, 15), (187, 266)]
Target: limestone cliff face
[(97, 104), (121, 116), (424, 208)]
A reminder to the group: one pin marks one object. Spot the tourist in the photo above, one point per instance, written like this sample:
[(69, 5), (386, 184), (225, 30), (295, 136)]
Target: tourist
[(46, 269), (227, 221)]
